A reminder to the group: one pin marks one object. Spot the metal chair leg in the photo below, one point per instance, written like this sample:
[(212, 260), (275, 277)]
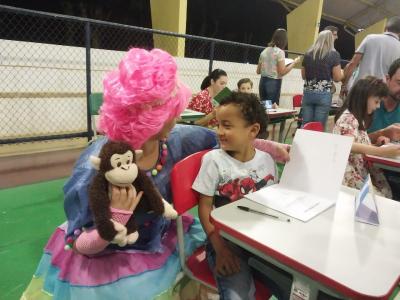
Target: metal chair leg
[(287, 132)]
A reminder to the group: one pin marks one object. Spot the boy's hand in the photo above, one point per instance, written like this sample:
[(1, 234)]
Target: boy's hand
[(282, 152), (227, 263)]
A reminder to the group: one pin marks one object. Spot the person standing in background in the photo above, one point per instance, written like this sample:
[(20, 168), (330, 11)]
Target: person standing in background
[(321, 66), (334, 31), (271, 66), (374, 55)]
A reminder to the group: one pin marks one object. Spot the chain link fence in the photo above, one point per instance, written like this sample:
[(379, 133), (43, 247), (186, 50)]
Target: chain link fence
[(50, 64)]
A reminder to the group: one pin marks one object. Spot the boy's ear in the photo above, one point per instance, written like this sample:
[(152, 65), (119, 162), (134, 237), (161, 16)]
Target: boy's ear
[(254, 130)]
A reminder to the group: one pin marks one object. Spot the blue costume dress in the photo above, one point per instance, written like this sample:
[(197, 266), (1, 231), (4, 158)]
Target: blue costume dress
[(142, 270)]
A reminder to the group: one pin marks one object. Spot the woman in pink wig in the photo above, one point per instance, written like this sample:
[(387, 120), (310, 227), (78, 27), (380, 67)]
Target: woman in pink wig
[(142, 100)]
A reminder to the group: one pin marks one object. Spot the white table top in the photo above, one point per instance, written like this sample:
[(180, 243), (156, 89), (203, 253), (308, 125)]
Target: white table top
[(356, 259), (189, 112), (189, 115), (280, 112)]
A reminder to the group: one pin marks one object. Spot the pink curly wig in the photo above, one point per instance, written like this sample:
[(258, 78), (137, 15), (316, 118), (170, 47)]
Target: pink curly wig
[(141, 95)]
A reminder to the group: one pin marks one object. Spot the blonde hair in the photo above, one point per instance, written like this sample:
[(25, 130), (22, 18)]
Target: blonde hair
[(323, 45)]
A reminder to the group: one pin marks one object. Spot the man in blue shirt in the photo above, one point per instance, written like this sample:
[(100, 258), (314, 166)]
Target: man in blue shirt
[(386, 121)]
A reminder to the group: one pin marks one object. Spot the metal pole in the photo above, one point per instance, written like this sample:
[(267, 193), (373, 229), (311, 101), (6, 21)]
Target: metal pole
[(88, 81), (210, 65)]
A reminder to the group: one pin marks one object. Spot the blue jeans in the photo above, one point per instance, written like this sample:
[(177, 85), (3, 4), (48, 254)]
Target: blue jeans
[(316, 106), (239, 286), (270, 89)]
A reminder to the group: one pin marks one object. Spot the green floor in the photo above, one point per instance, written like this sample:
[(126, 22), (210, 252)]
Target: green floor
[(28, 216)]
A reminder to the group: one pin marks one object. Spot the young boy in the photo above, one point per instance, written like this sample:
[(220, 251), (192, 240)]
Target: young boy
[(245, 85), (226, 175)]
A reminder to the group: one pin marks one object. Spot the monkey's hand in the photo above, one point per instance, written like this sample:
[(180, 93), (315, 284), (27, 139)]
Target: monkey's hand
[(169, 211), (120, 238)]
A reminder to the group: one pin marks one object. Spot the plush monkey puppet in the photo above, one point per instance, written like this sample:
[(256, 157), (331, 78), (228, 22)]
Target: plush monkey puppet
[(116, 166)]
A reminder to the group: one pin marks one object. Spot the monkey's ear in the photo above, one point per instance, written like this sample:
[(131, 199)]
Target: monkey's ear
[(138, 153), (95, 162)]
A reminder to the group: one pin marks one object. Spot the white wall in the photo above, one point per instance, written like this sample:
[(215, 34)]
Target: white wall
[(36, 80)]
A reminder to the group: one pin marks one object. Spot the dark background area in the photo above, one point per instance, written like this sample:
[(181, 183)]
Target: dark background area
[(245, 21)]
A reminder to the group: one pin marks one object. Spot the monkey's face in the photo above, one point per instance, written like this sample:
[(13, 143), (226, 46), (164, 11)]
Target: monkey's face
[(124, 171)]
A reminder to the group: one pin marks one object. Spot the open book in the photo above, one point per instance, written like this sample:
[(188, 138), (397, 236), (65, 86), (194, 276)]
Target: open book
[(225, 92), (311, 180)]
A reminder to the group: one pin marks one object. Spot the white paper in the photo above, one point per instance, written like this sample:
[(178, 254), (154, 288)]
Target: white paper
[(317, 163), (311, 180), (300, 205), (288, 61)]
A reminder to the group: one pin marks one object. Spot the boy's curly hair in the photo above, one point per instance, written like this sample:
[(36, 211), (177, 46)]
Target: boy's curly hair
[(251, 108)]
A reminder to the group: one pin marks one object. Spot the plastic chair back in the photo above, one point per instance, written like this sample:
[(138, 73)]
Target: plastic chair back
[(195, 266), (315, 126), (297, 99), (96, 100), (182, 176)]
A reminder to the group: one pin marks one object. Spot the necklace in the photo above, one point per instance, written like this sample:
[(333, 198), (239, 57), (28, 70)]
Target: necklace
[(162, 159)]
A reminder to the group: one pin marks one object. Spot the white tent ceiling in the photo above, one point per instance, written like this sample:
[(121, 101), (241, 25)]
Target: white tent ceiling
[(353, 14)]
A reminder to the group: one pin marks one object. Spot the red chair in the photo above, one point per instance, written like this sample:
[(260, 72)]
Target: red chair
[(315, 126), (296, 102), (184, 197)]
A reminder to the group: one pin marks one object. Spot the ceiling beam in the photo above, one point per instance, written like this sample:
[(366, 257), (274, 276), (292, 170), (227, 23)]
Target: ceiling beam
[(345, 22), (377, 6), (287, 3)]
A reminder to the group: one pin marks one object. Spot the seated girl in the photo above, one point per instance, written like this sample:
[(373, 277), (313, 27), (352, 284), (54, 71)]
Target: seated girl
[(353, 119)]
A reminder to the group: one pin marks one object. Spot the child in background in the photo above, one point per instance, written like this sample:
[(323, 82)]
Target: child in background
[(245, 85), (353, 119), (226, 175)]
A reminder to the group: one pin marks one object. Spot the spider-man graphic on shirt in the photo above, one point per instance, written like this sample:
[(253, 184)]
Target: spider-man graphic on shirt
[(235, 189)]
